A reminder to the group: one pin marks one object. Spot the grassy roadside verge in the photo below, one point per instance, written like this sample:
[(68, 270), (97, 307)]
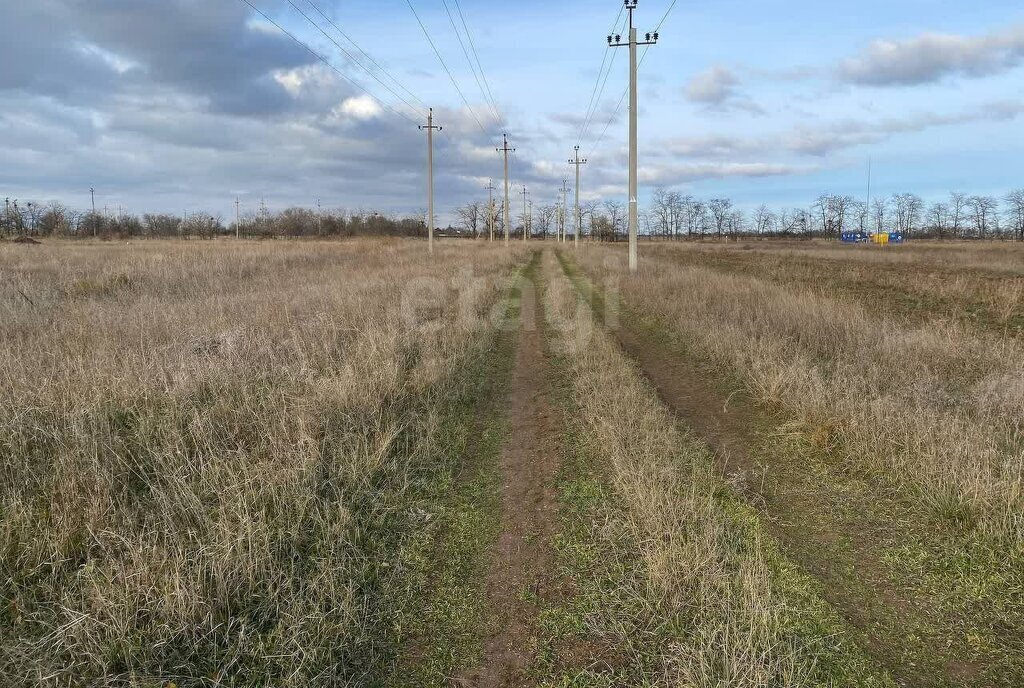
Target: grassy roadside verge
[(930, 597), (676, 582)]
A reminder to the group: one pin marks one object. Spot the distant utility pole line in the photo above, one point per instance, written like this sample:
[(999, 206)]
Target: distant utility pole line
[(526, 218), (238, 218), (92, 194), (633, 206), (490, 208), (505, 149), (579, 217), (430, 177)]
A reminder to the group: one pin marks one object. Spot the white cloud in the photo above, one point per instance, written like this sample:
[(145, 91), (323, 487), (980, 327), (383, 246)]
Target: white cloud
[(360, 107), (717, 89), (931, 56), (713, 87)]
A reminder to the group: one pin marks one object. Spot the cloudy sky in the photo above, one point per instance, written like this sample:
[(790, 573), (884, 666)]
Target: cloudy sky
[(182, 105)]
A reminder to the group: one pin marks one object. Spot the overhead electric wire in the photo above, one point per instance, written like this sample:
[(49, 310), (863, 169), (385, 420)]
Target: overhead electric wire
[(597, 101), (622, 99), (472, 68), (328, 63), (350, 56), (367, 55), (443, 64), (472, 45), (597, 82)]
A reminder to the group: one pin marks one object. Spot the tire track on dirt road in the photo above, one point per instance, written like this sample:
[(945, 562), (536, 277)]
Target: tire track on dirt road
[(521, 569)]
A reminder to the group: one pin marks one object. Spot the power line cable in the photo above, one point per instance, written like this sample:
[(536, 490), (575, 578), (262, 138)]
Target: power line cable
[(352, 58), (597, 82), (622, 99), (597, 101), (472, 68), (367, 55), (472, 45), (443, 64), (328, 63)]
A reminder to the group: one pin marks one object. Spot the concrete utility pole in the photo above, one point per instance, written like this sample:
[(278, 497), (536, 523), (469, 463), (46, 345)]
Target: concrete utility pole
[(525, 216), (632, 43), (505, 149), (92, 194), (430, 178), (238, 218), (490, 208), (579, 216), (564, 209)]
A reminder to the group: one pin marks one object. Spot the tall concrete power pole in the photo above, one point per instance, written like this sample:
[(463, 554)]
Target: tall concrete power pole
[(505, 149), (430, 177), (526, 218), (579, 216), (633, 207), (238, 219), (564, 208), (92, 195), (490, 208)]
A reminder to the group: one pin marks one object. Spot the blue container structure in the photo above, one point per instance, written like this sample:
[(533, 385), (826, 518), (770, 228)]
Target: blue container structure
[(853, 237), (895, 238)]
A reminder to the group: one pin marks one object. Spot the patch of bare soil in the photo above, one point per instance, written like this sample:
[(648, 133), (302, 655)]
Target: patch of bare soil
[(521, 570), (824, 524)]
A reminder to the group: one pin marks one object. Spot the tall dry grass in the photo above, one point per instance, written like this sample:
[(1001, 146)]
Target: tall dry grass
[(935, 408), (725, 611), (213, 457), (976, 284)]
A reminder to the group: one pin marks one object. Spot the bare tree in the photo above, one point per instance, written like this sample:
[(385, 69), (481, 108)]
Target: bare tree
[(737, 223), (879, 212), (1015, 212), (588, 210), (616, 213), (983, 210), (546, 218), (861, 214), (721, 210), (661, 211), (958, 212), (938, 216), (824, 208), (470, 216), (908, 208), (764, 219)]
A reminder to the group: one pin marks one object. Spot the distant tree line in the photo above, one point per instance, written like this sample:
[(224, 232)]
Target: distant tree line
[(674, 215), (670, 215), (57, 220)]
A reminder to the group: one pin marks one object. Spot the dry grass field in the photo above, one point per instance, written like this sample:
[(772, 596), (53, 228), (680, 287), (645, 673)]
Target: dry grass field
[(348, 463), (881, 426), (212, 457)]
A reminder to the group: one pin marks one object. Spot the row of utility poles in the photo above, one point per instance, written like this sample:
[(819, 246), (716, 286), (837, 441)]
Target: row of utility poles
[(615, 41)]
